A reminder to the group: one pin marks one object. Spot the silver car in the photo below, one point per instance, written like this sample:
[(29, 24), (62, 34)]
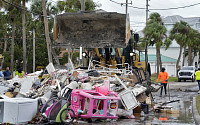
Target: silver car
[(187, 73)]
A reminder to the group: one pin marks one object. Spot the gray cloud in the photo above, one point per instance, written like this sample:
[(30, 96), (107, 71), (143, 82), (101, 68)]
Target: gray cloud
[(138, 16)]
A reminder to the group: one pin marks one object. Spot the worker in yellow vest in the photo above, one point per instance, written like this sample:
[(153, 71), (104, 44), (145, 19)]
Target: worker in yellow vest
[(19, 72), (197, 74)]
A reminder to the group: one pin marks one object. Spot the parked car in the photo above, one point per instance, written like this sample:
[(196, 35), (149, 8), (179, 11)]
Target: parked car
[(187, 73)]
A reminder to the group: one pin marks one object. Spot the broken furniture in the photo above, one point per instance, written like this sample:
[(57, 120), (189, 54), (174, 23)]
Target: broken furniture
[(92, 104), (127, 97)]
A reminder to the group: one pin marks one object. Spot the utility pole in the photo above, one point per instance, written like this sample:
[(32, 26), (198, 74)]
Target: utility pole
[(82, 60), (147, 10), (126, 7), (33, 50), (146, 55)]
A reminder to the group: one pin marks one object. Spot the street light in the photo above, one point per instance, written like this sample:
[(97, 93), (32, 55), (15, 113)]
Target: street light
[(132, 53), (84, 54)]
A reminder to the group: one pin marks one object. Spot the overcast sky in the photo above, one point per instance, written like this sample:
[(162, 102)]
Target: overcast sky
[(138, 16)]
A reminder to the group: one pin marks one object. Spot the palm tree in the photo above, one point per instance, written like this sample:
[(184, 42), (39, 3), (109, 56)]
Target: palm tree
[(75, 5), (48, 40), (196, 45), (24, 35), (192, 43), (12, 45), (36, 7), (4, 28), (1, 4), (14, 14), (179, 33), (155, 33)]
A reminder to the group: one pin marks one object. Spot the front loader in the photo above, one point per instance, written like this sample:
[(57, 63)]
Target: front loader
[(106, 33)]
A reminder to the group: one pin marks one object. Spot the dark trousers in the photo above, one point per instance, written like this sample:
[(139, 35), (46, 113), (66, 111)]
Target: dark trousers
[(165, 87), (198, 83)]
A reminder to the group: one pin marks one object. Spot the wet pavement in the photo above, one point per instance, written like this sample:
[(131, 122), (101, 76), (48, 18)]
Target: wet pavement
[(183, 91)]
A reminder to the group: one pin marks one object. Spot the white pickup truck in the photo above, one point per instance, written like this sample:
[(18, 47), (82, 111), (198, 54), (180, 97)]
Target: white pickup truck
[(187, 73)]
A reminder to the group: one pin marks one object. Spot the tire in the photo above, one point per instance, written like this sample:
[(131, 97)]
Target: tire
[(67, 112), (184, 80), (193, 79), (179, 80)]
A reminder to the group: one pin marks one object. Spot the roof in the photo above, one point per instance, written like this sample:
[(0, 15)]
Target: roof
[(178, 18), (169, 21), (152, 58)]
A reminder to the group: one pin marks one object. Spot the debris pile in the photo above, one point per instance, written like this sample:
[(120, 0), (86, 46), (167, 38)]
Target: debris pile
[(74, 94)]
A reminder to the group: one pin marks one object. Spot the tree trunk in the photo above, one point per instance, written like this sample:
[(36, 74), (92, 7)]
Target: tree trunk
[(183, 63), (5, 47), (189, 56), (12, 47), (179, 57), (47, 31), (157, 58), (33, 50), (195, 53), (5, 43), (24, 35), (160, 61)]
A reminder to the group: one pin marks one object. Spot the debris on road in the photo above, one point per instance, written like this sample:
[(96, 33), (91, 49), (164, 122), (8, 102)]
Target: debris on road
[(68, 95)]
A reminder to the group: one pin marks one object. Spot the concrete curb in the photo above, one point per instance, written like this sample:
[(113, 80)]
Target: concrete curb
[(195, 112)]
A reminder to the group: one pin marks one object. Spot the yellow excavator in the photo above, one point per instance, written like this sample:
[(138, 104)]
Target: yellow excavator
[(106, 33)]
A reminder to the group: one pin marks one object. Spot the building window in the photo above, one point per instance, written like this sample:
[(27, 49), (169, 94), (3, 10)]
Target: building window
[(198, 25)]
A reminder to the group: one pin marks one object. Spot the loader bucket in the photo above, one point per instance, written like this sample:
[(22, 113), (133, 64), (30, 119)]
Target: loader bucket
[(91, 30)]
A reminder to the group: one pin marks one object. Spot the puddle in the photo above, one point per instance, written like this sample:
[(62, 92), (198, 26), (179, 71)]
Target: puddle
[(183, 118)]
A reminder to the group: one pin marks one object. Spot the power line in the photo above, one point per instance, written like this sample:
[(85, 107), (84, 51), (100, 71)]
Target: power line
[(172, 8), (20, 7), (116, 2)]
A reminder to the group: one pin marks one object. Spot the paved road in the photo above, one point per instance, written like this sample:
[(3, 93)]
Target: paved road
[(183, 91)]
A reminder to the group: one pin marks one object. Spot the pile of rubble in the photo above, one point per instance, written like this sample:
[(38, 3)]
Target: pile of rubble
[(71, 95)]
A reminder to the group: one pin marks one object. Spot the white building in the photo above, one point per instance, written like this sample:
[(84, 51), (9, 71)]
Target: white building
[(173, 51), (167, 62)]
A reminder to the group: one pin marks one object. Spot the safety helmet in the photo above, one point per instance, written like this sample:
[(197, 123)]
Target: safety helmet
[(163, 69)]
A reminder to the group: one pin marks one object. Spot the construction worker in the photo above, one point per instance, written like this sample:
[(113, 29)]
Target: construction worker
[(197, 74), (19, 72), (163, 77)]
